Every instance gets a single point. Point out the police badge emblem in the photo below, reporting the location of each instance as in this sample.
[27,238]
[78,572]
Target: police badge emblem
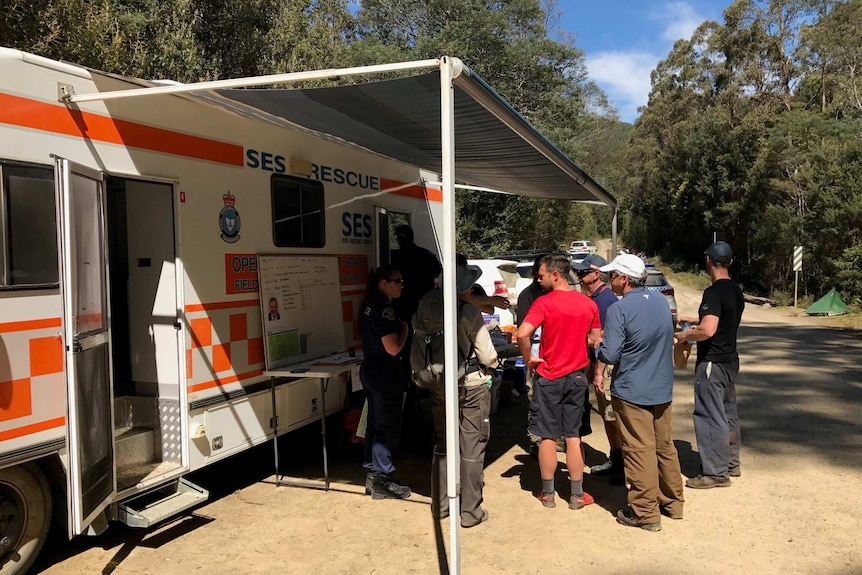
[228,219]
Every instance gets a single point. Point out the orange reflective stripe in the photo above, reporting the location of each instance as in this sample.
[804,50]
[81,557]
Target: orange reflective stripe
[32,428]
[224,381]
[12,326]
[37,115]
[222,305]
[419,192]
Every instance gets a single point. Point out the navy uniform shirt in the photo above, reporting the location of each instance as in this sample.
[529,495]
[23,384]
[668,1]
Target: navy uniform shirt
[380,319]
[419,267]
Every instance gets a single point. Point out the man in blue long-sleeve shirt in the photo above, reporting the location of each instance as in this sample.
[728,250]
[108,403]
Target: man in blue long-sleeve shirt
[638,337]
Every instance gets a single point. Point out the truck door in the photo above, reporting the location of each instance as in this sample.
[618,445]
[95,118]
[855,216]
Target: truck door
[86,336]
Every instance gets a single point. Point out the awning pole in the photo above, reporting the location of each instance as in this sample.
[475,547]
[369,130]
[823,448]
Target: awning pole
[253,81]
[453,455]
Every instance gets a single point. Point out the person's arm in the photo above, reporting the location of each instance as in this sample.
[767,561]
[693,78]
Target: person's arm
[393,343]
[707,328]
[525,332]
[610,348]
[484,348]
[599,376]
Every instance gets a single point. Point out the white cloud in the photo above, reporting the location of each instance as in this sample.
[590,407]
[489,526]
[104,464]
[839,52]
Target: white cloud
[624,75]
[625,78]
[679,20]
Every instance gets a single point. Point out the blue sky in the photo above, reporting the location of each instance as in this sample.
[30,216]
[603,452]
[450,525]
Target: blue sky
[625,39]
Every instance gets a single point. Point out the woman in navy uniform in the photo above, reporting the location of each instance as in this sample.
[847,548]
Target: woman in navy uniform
[383,338]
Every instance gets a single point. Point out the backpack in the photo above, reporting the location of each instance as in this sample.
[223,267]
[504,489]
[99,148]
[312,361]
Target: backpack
[426,352]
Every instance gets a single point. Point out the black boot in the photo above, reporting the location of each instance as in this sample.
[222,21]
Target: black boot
[385,487]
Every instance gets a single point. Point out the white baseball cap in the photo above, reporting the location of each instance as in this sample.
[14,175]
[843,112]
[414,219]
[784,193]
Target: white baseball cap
[628,264]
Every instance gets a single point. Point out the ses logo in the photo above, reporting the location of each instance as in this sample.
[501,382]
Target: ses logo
[355,228]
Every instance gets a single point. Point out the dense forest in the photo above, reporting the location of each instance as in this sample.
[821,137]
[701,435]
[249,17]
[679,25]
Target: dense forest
[752,132]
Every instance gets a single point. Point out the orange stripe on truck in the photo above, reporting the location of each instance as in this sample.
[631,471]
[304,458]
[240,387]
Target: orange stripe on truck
[419,192]
[37,115]
[32,428]
[12,326]
[224,381]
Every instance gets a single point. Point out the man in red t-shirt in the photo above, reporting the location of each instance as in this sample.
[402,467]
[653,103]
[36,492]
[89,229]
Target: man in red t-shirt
[570,322]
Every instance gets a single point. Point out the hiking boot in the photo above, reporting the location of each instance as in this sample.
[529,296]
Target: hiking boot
[384,487]
[734,472]
[629,519]
[668,513]
[707,482]
[581,502]
[473,522]
[547,499]
[606,469]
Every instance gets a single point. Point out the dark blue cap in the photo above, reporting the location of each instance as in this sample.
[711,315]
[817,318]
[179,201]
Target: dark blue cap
[720,252]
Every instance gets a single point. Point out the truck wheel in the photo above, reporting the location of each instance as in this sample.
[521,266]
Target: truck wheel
[25,515]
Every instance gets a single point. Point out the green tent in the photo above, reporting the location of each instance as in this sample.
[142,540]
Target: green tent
[830,304]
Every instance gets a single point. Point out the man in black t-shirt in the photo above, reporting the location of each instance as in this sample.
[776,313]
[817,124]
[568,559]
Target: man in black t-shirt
[716,420]
[419,267]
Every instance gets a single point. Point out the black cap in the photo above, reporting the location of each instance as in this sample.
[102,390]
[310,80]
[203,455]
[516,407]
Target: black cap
[720,253]
[591,262]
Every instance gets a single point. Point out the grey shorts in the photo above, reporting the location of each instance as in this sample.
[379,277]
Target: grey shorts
[557,407]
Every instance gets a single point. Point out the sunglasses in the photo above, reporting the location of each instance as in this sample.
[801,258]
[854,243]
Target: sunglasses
[396,280]
[582,273]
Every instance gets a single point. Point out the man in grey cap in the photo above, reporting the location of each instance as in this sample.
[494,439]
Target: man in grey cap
[716,420]
[592,284]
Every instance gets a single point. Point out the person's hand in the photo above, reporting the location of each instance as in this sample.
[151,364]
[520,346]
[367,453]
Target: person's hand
[534,362]
[598,381]
[499,301]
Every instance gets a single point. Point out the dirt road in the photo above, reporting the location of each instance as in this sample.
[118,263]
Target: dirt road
[794,510]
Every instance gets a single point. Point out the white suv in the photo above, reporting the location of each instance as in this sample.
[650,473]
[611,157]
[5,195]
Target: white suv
[583,246]
[499,277]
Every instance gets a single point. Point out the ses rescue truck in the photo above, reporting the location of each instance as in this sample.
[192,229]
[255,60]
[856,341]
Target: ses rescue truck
[131,348]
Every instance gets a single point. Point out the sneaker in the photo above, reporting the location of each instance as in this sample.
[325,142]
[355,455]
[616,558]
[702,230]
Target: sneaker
[606,469]
[484,518]
[629,519]
[734,472]
[667,513]
[707,482]
[547,499]
[581,502]
[387,488]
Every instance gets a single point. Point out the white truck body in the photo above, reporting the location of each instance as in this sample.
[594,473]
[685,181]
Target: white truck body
[128,293]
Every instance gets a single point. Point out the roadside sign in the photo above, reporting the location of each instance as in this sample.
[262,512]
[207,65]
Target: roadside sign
[797,258]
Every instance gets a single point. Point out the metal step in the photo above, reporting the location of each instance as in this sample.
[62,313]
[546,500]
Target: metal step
[155,506]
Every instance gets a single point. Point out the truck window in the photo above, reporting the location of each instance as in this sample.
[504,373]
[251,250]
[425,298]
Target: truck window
[29,233]
[297,212]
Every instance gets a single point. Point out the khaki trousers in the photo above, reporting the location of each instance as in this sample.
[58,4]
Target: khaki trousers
[650,458]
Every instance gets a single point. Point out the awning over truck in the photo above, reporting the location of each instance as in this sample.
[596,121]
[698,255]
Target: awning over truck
[495,147]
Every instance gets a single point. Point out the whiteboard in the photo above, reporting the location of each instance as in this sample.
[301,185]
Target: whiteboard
[300,304]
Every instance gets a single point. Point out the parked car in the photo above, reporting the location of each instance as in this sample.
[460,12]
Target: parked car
[656,281]
[500,277]
[583,246]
